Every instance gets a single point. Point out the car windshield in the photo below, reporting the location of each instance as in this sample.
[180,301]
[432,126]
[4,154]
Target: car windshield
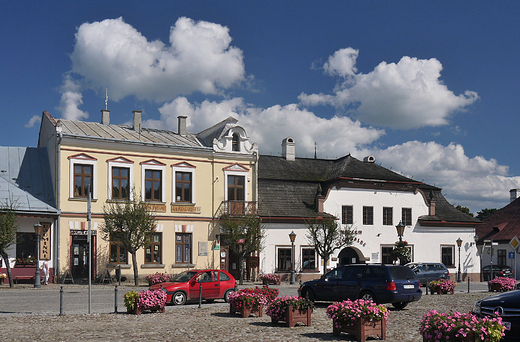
[183,276]
[401,273]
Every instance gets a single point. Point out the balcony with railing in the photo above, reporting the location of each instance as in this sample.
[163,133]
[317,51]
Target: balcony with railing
[237,208]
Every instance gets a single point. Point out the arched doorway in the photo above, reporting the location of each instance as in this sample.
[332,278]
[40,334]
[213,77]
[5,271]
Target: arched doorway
[350,255]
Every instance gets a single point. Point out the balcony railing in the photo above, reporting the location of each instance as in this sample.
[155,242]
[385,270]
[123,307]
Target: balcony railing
[237,208]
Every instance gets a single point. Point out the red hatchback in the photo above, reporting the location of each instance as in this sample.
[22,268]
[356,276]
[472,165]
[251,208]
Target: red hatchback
[215,284]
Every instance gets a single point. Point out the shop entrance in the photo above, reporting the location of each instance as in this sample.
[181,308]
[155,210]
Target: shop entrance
[79,257]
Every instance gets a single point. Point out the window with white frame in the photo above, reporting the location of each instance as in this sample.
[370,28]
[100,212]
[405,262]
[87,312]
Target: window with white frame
[120,176]
[153,252]
[82,175]
[284,259]
[184,183]
[153,181]
[308,259]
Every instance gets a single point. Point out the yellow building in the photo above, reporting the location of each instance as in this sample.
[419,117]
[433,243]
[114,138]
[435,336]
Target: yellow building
[187,179]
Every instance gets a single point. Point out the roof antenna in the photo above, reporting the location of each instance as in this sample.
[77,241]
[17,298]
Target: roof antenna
[106,98]
[315,145]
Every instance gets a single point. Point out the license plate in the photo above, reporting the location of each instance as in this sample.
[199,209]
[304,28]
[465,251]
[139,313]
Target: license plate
[408,286]
[507,325]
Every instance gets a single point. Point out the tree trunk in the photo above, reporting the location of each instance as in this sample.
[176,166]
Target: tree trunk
[8,268]
[325,262]
[136,270]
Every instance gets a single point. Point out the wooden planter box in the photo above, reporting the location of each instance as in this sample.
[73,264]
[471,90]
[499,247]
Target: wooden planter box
[439,291]
[363,328]
[294,316]
[271,282]
[138,311]
[247,311]
[496,288]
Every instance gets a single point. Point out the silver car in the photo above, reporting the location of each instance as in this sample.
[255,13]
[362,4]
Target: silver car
[428,271]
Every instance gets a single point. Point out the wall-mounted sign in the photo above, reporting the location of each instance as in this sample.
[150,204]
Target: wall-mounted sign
[158,208]
[185,209]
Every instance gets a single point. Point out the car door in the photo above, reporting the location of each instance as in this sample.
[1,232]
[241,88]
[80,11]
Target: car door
[352,282]
[204,280]
[328,286]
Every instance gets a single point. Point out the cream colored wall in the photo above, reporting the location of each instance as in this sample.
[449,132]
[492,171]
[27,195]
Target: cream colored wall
[209,192]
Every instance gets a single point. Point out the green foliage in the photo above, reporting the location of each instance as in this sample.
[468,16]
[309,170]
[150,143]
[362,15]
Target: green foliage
[131,300]
[465,210]
[485,213]
[8,229]
[131,223]
[402,252]
[327,235]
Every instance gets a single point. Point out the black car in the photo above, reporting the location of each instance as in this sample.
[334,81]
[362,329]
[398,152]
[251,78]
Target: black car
[428,271]
[381,283]
[507,305]
[498,271]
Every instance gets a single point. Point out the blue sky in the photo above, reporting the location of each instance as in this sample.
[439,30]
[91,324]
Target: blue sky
[430,88]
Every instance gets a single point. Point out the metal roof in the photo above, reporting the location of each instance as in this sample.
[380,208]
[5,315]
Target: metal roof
[25,179]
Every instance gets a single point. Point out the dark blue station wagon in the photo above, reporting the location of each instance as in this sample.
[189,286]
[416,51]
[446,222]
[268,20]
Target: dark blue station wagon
[380,283]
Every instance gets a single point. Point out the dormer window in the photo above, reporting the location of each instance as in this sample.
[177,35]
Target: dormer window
[236,142]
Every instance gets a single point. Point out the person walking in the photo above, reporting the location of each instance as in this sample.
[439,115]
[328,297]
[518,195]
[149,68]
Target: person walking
[45,268]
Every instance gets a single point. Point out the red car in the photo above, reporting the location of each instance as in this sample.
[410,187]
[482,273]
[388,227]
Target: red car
[186,286]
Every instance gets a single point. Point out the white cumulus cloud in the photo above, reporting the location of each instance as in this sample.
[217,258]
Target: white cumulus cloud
[71,99]
[33,121]
[403,95]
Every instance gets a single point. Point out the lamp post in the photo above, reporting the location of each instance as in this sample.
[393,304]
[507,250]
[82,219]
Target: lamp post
[38,231]
[400,230]
[292,236]
[459,276]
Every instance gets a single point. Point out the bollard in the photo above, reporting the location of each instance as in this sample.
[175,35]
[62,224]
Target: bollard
[61,301]
[468,284]
[119,275]
[200,295]
[427,285]
[115,299]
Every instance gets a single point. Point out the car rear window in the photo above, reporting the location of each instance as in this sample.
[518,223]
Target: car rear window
[401,273]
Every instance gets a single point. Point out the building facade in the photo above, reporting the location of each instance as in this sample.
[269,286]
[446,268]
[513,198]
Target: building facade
[185,179]
[368,198]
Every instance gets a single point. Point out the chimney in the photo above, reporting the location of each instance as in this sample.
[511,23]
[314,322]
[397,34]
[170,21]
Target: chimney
[137,120]
[181,125]
[105,117]
[513,194]
[432,208]
[289,149]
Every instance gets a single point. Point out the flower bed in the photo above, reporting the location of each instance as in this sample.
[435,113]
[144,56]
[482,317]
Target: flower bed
[153,300]
[457,326]
[292,310]
[360,317]
[502,284]
[442,286]
[157,278]
[271,279]
[247,301]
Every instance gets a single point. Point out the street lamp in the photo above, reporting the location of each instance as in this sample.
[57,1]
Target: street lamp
[292,236]
[38,231]
[400,230]
[459,276]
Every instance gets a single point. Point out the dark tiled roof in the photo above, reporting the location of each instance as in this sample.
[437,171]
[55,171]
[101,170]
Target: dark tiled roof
[444,211]
[287,198]
[320,170]
[289,188]
[503,224]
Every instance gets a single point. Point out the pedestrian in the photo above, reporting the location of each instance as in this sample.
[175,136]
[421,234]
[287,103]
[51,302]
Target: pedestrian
[45,268]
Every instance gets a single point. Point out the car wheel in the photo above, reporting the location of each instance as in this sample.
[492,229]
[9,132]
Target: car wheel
[179,298]
[368,296]
[400,305]
[309,295]
[226,295]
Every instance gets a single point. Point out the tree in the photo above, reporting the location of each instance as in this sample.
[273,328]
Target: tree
[465,210]
[402,252]
[485,213]
[8,229]
[243,235]
[131,224]
[327,235]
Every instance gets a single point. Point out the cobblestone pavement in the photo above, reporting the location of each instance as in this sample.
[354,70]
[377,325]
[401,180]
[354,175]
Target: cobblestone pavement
[212,322]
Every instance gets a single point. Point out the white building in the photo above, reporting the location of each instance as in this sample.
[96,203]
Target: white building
[367,196]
